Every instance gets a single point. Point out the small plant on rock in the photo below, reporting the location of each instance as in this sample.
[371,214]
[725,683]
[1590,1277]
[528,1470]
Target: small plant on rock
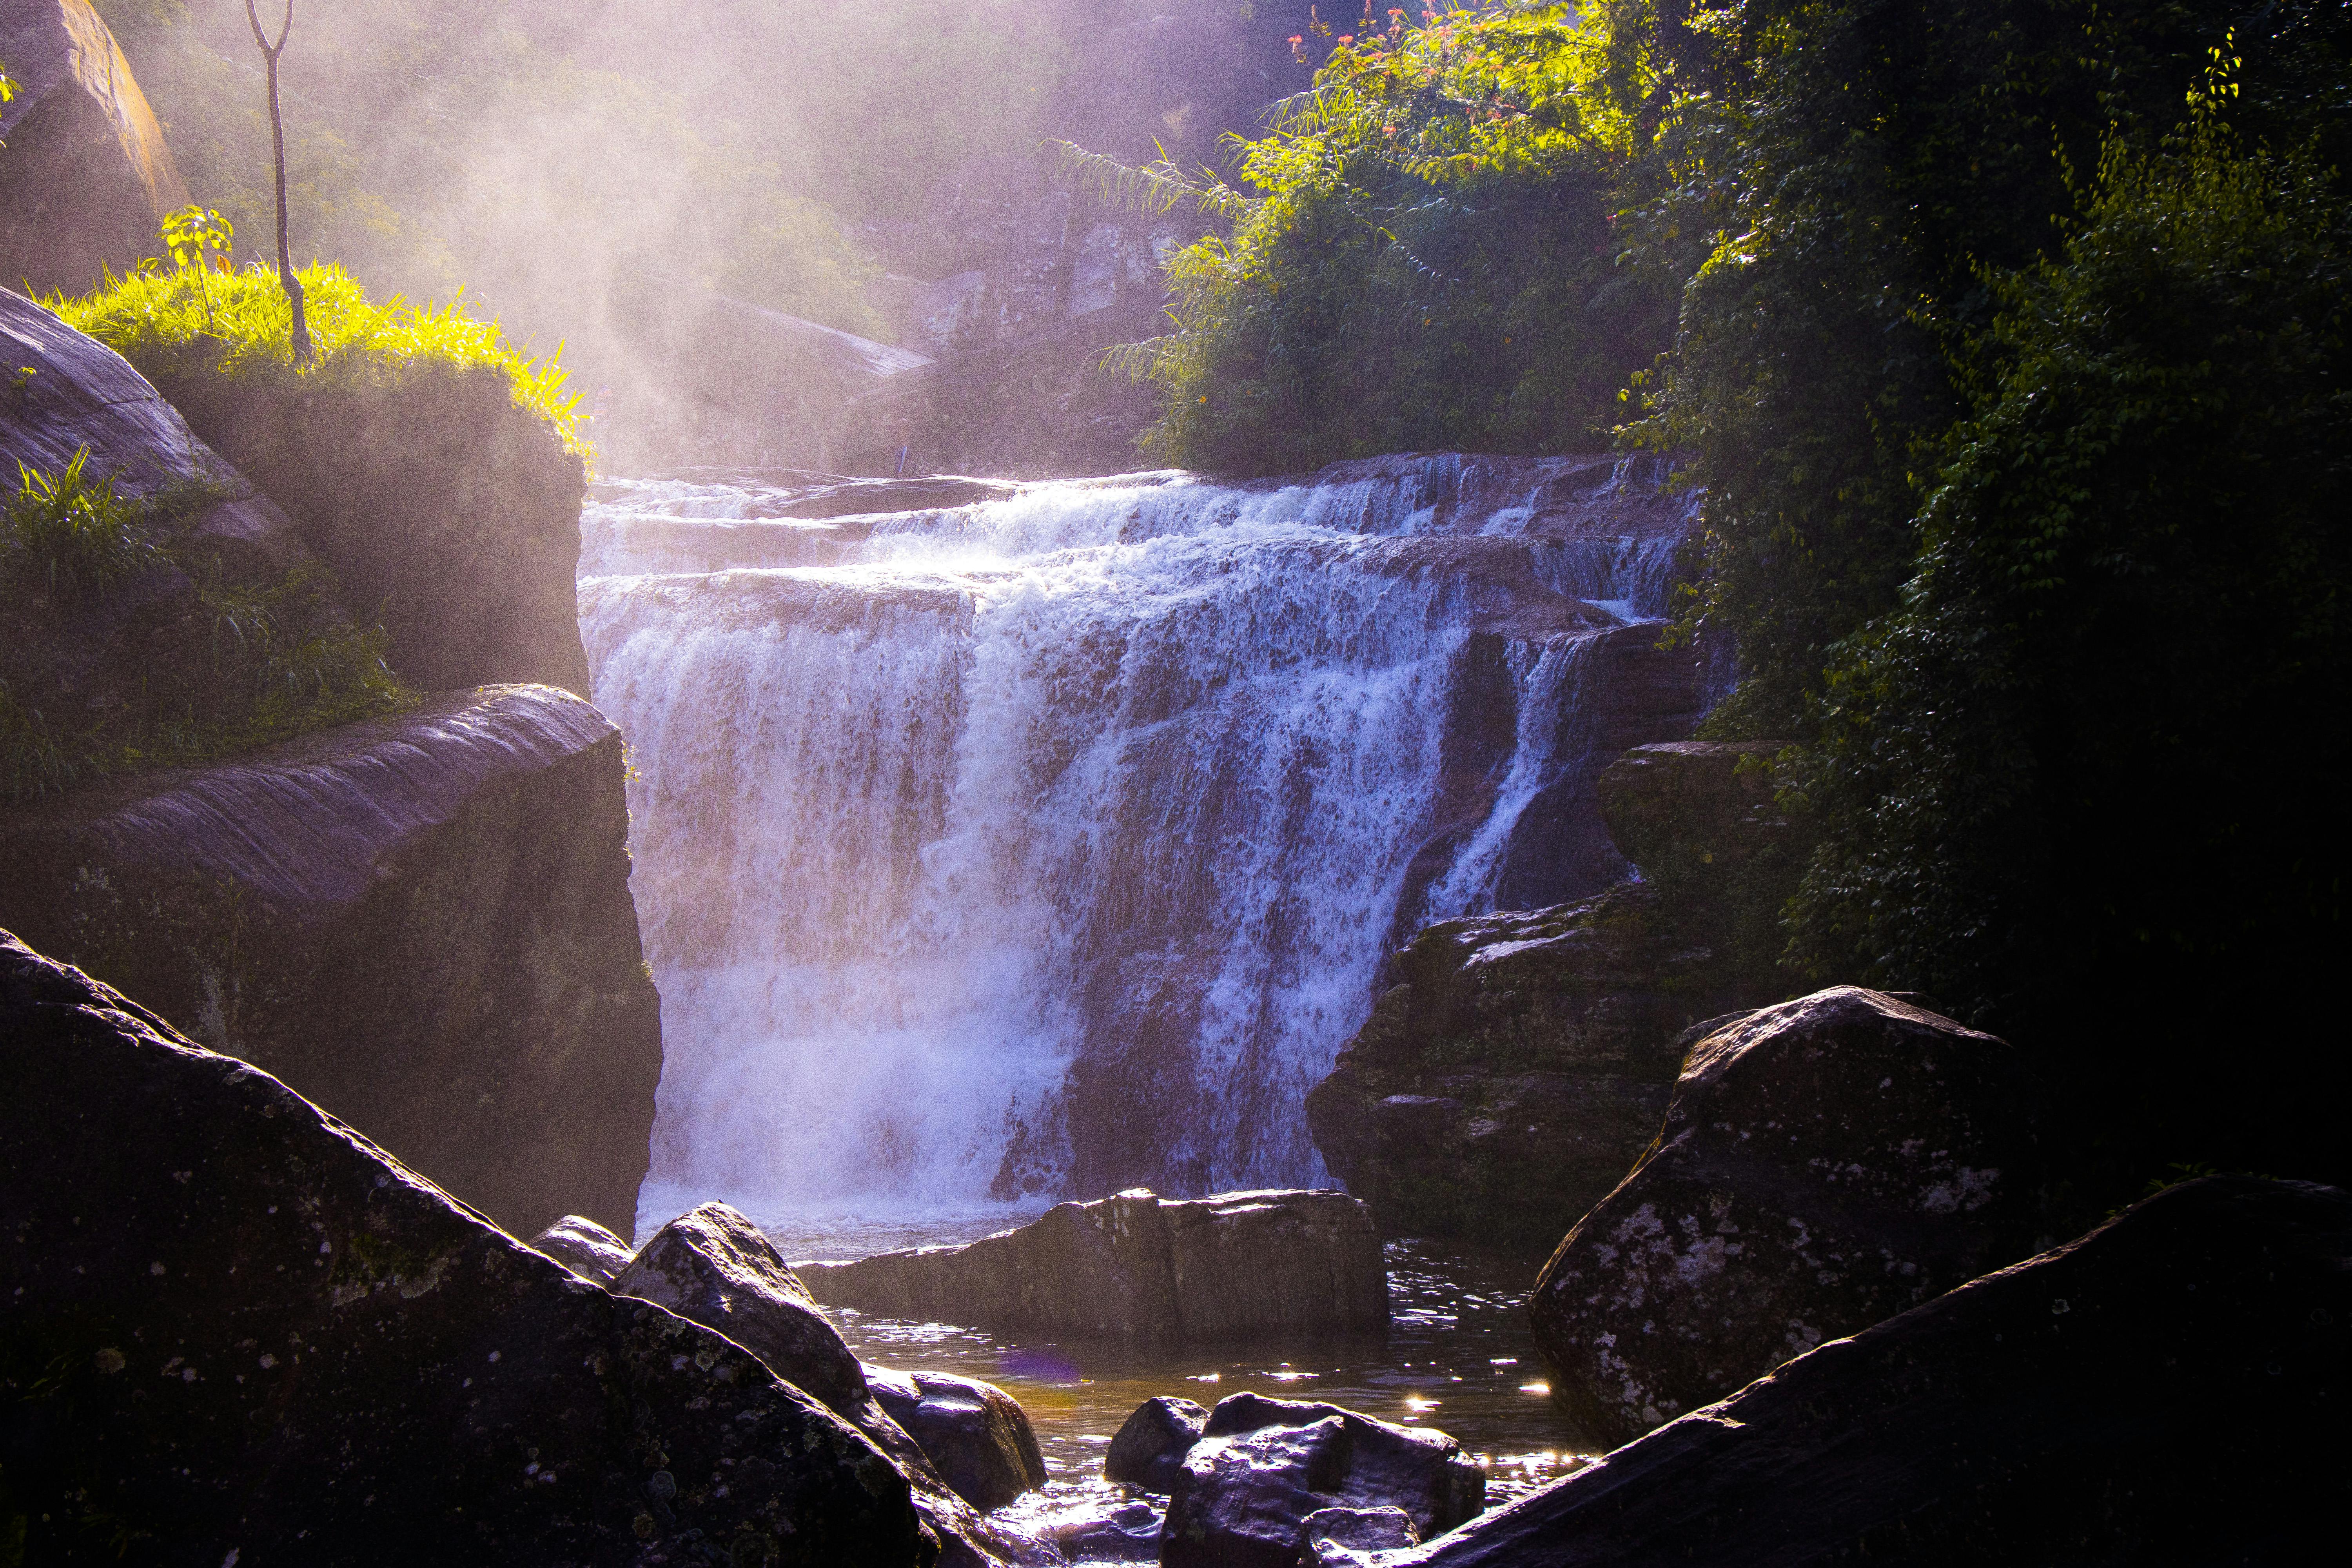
[72,535]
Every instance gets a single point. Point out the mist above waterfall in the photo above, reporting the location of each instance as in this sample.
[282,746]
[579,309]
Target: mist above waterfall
[1054,843]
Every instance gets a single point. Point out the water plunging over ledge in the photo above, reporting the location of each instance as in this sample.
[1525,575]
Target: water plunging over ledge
[1046,839]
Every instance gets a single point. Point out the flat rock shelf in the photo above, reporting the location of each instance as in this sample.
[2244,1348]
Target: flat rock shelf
[1458,1357]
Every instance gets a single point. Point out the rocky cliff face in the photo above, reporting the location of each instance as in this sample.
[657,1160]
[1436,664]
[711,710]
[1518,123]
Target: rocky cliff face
[1519,1067]
[434,496]
[87,177]
[1520,1062]
[422,922]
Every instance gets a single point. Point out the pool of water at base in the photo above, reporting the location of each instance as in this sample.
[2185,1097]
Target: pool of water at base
[1458,1357]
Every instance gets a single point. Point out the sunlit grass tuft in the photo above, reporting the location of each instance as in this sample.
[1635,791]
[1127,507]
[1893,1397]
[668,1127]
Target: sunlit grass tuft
[238,324]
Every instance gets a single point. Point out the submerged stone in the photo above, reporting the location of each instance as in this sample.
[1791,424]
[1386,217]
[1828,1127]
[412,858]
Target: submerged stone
[1264,1468]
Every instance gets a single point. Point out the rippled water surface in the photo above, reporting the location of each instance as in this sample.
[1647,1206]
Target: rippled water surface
[1458,1358]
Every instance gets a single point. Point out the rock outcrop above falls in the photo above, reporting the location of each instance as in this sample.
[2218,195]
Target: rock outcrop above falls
[2169,1388]
[87,178]
[1140,1267]
[1824,1163]
[236,1330]
[445,507]
[424,924]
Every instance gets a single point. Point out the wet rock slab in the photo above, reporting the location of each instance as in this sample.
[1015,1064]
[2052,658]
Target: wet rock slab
[2169,1388]
[1140,1267]
[237,1330]
[1151,1445]
[585,1247]
[1519,1066]
[1824,1163]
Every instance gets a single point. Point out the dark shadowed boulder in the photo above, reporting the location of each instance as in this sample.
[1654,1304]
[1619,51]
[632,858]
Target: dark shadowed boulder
[87,179]
[585,1247]
[1520,1065]
[1264,1467]
[2169,1388]
[713,1267]
[1824,1163]
[422,922]
[1140,1267]
[977,1434]
[238,1331]
[1151,1445]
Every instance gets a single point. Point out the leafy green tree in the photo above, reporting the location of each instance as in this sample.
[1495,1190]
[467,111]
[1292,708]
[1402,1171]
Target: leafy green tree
[2085,782]
[1421,253]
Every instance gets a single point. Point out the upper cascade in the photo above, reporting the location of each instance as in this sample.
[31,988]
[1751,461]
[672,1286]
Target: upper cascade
[1049,839]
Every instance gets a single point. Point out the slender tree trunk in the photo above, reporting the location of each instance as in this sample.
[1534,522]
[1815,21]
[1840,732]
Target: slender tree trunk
[286,278]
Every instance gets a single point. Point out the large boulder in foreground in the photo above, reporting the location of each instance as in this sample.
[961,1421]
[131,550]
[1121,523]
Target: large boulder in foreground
[2169,1388]
[1137,1265]
[1824,1163]
[237,1330]
[87,178]
[1264,1468]
[713,1267]
[1519,1065]
[421,922]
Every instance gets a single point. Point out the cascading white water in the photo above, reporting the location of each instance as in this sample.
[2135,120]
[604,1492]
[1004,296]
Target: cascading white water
[1055,840]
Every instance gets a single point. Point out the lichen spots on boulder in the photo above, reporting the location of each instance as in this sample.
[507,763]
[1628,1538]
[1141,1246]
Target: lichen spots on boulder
[1824,1163]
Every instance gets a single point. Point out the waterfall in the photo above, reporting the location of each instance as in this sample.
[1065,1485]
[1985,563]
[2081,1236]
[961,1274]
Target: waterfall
[1053,841]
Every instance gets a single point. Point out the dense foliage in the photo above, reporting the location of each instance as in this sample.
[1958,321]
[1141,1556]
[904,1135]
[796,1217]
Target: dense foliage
[2008,342]
[1423,256]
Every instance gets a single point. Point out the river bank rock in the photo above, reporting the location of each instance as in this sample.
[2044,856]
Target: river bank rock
[236,1329]
[585,1247]
[1150,1445]
[713,1267]
[87,178]
[1519,1065]
[1264,1468]
[975,1433]
[422,922]
[2064,1407]
[1824,1163]
[1137,1265]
